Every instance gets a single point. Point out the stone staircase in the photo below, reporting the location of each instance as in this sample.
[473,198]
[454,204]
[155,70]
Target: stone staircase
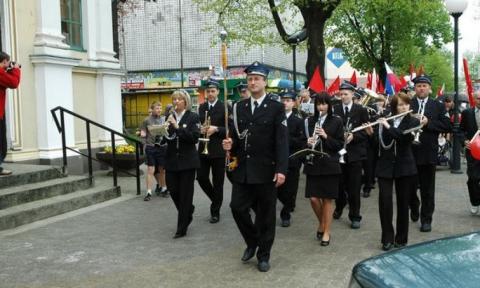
[36,192]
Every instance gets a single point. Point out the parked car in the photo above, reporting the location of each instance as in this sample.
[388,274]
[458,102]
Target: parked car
[447,262]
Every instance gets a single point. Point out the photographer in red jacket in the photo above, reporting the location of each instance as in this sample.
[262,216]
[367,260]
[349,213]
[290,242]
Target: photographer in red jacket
[9,78]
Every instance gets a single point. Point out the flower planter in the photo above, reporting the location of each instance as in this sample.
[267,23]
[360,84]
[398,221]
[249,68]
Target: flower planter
[124,162]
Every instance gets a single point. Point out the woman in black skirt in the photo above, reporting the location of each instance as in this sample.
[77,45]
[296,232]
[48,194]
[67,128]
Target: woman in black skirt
[182,158]
[396,164]
[325,133]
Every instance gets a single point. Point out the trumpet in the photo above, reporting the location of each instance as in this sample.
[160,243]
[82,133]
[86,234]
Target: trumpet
[206,137]
[359,128]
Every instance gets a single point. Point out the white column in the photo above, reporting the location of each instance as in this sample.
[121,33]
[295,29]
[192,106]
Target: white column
[109,101]
[48,37]
[53,87]
[53,64]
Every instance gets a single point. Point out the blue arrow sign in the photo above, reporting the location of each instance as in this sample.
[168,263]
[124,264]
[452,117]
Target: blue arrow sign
[336,57]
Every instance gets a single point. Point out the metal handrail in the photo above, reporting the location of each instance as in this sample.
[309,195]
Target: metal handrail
[61,129]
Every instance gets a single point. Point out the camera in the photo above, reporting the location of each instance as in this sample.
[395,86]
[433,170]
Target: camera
[12,63]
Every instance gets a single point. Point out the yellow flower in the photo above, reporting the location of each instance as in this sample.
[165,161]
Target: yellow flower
[121,149]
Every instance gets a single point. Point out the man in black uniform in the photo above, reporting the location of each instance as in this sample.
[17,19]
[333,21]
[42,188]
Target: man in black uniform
[260,143]
[470,125]
[353,115]
[214,157]
[296,141]
[434,120]
[242,89]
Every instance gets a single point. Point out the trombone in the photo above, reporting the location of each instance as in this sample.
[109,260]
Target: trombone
[206,137]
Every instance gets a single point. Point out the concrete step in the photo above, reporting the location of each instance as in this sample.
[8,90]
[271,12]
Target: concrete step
[21,194]
[30,212]
[25,174]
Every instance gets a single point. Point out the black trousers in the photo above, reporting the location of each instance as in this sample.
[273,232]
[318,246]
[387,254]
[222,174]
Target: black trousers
[262,233]
[426,181]
[349,190]
[180,184]
[288,191]
[3,140]
[213,189]
[403,188]
[369,168]
[473,185]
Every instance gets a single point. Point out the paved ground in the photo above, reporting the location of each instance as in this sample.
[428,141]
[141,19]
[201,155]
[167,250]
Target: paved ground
[128,243]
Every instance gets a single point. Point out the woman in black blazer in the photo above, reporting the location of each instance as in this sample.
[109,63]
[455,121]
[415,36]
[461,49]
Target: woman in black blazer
[325,132]
[395,164]
[182,158]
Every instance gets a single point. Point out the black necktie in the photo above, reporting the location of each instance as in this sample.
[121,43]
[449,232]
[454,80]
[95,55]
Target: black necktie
[210,108]
[422,103]
[346,111]
[255,104]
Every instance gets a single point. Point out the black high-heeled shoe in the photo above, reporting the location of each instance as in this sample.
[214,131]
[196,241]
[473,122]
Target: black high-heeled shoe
[326,242]
[319,235]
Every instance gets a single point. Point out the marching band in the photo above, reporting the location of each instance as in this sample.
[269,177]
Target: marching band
[341,145]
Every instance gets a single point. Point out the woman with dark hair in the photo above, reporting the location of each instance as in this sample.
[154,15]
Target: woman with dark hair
[395,164]
[325,134]
[182,158]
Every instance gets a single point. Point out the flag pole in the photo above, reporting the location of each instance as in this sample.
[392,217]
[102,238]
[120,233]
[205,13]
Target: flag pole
[223,37]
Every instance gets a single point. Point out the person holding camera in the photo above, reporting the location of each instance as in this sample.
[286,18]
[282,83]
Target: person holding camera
[9,78]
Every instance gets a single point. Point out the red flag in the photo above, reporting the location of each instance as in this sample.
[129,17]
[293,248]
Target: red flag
[334,87]
[369,80]
[353,79]
[402,83]
[316,83]
[469,83]
[440,91]
[380,88]
[412,72]
[421,70]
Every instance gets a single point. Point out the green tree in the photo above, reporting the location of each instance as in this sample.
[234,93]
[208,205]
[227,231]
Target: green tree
[261,22]
[372,32]
[473,59]
[438,64]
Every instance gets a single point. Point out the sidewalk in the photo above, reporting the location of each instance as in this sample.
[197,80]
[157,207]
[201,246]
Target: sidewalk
[128,243]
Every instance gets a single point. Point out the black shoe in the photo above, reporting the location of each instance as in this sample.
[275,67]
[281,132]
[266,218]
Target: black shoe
[248,254]
[214,219]
[426,227]
[355,224]
[326,242]
[263,266]
[285,222]
[147,197]
[414,215]
[400,245]
[179,235]
[164,194]
[366,193]
[387,246]
[158,191]
[337,214]
[319,235]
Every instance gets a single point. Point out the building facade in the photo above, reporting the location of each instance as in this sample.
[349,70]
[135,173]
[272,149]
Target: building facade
[66,51]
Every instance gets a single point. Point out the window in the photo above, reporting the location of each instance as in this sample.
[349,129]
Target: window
[71,14]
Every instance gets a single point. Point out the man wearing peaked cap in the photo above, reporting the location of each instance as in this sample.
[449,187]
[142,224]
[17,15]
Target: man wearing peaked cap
[296,140]
[432,116]
[347,85]
[242,89]
[214,111]
[260,143]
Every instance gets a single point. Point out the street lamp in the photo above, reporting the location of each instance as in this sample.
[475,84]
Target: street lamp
[294,40]
[456,8]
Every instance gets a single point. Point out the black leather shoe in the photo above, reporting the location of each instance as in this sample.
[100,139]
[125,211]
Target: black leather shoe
[326,242]
[414,215]
[179,235]
[337,214]
[164,194]
[400,245]
[387,246]
[426,227]
[158,191]
[248,254]
[355,224]
[214,219]
[147,198]
[285,222]
[263,266]
[319,235]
